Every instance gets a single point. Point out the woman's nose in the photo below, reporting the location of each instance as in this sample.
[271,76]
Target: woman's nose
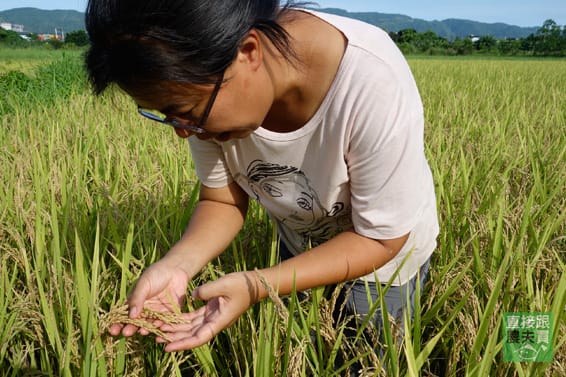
[183,133]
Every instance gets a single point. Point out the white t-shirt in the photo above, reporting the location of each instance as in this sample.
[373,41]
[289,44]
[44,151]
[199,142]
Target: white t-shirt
[357,163]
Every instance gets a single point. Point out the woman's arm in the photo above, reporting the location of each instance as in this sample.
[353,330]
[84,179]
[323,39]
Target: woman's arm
[345,257]
[218,217]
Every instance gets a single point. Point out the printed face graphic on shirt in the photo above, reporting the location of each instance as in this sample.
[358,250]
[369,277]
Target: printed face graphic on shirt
[291,200]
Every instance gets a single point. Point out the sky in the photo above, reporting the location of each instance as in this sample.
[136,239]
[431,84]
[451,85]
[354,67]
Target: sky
[513,12]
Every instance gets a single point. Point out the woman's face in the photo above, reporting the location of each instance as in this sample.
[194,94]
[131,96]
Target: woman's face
[239,107]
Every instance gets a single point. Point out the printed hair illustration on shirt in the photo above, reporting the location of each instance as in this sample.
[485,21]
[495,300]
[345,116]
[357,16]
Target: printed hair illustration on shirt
[282,187]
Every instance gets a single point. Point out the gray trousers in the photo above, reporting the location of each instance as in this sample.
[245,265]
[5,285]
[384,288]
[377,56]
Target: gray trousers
[362,299]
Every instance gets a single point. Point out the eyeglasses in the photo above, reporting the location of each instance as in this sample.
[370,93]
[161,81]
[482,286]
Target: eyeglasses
[196,127]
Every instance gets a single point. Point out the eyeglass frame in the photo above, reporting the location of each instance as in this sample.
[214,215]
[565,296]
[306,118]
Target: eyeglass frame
[197,128]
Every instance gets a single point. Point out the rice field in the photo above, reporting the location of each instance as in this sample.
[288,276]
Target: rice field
[27,60]
[92,194]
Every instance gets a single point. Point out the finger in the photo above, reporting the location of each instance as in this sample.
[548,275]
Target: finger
[160,340]
[202,336]
[179,331]
[190,319]
[129,330]
[158,323]
[115,329]
[179,336]
[180,327]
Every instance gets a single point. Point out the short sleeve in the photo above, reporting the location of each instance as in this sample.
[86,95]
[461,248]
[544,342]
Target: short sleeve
[210,163]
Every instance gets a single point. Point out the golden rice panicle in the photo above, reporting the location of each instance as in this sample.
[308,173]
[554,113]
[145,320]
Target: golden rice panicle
[119,314]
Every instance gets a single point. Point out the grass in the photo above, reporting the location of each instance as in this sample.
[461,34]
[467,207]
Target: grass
[47,83]
[27,60]
[92,194]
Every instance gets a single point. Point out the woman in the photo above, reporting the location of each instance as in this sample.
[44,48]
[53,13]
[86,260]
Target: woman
[315,116]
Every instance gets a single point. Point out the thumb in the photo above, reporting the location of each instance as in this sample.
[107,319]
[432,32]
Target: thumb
[208,291]
[137,297]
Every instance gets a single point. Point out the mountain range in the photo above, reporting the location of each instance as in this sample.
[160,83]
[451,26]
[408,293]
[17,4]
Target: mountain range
[41,21]
[45,21]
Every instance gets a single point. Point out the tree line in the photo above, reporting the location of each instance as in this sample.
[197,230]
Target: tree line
[9,38]
[549,40]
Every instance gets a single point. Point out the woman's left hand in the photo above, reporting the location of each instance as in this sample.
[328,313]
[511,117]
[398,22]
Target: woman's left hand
[227,299]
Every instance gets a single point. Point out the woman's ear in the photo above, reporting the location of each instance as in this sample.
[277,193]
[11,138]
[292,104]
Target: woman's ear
[250,51]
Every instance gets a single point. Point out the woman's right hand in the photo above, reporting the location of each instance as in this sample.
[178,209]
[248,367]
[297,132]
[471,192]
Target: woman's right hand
[162,287]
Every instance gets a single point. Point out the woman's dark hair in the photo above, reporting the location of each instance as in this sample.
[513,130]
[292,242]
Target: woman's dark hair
[136,43]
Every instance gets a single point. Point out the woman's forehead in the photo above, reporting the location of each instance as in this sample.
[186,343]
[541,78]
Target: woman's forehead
[167,97]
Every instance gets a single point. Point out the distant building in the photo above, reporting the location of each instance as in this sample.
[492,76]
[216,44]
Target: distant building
[47,37]
[59,35]
[13,27]
[474,38]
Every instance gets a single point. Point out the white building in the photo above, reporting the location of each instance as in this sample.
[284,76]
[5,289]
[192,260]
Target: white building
[474,38]
[14,27]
